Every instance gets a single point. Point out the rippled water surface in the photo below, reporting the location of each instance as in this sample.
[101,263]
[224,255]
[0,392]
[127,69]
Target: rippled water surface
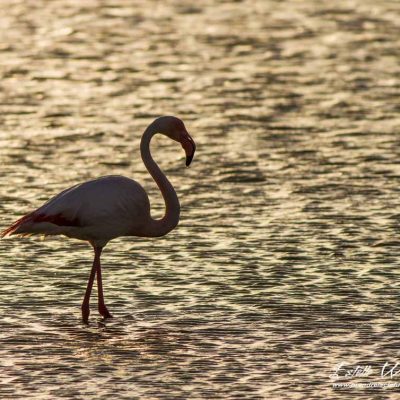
[286,260]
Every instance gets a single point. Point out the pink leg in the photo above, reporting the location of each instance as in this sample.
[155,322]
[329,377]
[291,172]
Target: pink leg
[102,307]
[85,303]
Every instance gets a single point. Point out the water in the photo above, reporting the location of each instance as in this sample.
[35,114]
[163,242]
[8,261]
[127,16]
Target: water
[285,262]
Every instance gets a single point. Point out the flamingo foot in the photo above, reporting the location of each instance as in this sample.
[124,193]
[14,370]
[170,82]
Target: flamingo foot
[104,312]
[85,313]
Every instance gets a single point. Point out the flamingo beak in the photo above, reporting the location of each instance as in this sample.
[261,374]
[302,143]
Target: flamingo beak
[189,146]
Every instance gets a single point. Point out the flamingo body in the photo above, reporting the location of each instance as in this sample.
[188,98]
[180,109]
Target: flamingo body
[96,211]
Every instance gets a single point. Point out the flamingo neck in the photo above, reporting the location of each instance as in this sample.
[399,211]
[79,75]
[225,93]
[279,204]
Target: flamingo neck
[170,219]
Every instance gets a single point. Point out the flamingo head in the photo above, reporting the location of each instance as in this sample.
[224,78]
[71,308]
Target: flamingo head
[175,129]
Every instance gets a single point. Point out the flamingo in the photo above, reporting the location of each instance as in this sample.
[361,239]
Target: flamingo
[108,207]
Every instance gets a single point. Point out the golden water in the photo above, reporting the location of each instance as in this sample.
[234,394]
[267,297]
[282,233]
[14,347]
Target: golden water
[285,262]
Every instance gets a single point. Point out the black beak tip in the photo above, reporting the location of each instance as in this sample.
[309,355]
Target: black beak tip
[189,160]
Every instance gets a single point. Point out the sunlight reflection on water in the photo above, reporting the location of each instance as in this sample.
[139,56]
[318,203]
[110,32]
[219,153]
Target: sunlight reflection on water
[284,263]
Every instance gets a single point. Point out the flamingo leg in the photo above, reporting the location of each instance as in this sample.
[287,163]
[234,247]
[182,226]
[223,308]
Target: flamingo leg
[102,307]
[85,303]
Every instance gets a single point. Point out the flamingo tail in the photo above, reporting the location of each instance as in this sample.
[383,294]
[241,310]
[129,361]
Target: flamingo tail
[13,229]
[38,223]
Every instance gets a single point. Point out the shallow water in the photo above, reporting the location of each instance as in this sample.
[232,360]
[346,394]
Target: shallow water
[285,262]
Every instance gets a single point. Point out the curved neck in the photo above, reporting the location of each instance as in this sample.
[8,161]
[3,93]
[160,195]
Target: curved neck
[170,220]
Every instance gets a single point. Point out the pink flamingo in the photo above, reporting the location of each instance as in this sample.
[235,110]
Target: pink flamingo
[111,206]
